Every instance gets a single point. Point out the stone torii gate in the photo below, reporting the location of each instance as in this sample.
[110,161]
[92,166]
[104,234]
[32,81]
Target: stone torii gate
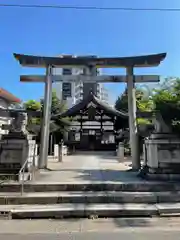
[90,63]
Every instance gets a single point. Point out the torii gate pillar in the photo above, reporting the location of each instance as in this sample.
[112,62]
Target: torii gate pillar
[133,132]
[46,119]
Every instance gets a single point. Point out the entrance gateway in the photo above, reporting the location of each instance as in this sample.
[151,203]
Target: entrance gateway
[91,64]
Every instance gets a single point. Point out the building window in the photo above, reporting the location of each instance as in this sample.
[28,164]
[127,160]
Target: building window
[67,71]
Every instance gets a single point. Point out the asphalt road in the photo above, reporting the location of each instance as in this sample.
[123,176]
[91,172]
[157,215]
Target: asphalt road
[142,235]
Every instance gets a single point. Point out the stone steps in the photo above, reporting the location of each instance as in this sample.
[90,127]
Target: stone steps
[8,177]
[89,210]
[10,198]
[141,186]
[89,199]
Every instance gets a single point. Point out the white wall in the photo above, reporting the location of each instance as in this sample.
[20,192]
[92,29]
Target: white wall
[3,103]
[4,120]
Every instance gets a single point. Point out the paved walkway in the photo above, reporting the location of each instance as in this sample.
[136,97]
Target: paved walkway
[88,167]
[109,225]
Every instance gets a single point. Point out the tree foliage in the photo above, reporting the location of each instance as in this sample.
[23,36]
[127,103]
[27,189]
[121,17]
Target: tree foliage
[167,102]
[58,124]
[165,99]
[32,105]
[142,101]
[121,103]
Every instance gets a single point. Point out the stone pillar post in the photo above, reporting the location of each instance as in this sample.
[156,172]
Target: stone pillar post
[120,151]
[74,149]
[36,156]
[56,150]
[144,155]
[60,152]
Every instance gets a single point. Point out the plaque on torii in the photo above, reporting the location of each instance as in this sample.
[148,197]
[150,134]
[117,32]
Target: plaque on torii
[91,63]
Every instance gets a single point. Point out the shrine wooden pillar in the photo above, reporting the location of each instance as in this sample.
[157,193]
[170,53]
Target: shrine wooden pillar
[81,124]
[101,119]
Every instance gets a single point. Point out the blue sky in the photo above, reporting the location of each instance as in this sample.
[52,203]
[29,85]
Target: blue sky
[103,33]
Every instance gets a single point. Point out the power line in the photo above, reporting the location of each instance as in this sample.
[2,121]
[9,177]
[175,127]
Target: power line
[90,8]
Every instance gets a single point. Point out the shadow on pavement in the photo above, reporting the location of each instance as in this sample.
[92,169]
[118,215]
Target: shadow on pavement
[95,175]
[108,175]
[132,222]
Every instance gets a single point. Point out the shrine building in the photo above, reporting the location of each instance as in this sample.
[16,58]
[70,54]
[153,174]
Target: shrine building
[93,125]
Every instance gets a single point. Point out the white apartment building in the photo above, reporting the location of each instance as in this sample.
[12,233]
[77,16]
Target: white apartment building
[6,99]
[74,92]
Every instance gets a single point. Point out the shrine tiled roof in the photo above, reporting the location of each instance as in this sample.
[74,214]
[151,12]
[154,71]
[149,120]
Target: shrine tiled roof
[8,96]
[73,111]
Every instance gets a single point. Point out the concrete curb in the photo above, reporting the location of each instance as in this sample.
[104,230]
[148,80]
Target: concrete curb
[91,186]
[93,210]
[88,197]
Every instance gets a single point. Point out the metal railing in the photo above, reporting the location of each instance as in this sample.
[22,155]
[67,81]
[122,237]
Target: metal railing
[21,174]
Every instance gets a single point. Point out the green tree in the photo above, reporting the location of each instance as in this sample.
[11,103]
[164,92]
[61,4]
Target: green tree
[121,103]
[167,101]
[143,102]
[33,122]
[57,125]
[33,105]
[165,98]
